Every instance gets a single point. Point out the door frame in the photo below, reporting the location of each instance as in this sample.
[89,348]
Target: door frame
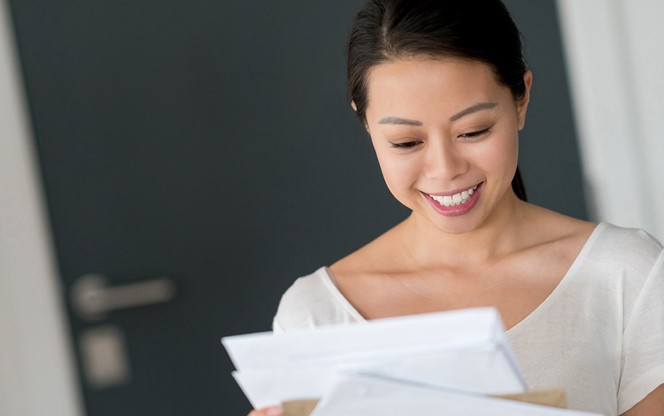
[616,92]
[37,370]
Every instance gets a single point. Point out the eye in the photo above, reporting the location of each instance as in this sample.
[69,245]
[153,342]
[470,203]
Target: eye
[475,134]
[404,145]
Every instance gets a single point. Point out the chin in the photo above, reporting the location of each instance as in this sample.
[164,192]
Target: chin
[451,225]
[458,227]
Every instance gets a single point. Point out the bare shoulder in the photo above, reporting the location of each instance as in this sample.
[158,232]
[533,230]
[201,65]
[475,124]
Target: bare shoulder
[555,237]
[546,226]
[367,259]
[373,258]
[366,276]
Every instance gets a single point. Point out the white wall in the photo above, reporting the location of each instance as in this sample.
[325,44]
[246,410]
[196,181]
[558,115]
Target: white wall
[616,71]
[36,367]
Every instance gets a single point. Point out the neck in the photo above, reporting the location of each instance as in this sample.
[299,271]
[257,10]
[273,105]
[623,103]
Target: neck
[496,236]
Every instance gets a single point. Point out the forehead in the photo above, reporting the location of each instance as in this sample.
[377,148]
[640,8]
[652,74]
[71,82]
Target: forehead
[414,85]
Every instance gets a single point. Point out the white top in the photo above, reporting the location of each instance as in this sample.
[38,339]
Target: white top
[599,334]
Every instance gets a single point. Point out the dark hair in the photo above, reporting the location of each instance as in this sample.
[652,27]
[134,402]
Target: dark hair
[481,30]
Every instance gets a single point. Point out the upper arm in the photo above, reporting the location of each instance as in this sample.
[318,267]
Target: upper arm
[642,365]
[651,405]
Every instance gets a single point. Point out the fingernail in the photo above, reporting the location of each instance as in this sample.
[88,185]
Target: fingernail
[273,411]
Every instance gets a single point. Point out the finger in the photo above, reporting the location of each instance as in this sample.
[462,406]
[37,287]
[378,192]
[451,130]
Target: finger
[267,411]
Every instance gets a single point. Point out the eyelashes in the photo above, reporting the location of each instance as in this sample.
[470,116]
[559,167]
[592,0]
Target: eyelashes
[475,134]
[404,145]
[465,136]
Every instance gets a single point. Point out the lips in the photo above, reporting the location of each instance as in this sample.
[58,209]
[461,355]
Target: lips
[459,203]
[458,198]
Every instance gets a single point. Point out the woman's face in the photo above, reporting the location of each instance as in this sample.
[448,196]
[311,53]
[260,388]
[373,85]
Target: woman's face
[446,136]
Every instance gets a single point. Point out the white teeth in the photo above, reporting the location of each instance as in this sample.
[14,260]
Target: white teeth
[456,199]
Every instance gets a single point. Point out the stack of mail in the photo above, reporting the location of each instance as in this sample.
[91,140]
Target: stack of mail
[463,350]
[448,363]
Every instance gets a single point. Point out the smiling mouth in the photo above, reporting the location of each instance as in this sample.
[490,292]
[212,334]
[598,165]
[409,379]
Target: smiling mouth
[459,198]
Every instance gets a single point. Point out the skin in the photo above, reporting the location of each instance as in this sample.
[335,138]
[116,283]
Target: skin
[492,255]
[455,127]
[652,405]
[268,411]
[444,155]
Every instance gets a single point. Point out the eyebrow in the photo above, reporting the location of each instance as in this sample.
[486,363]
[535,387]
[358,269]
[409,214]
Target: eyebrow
[408,122]
[399,120]
[473,109]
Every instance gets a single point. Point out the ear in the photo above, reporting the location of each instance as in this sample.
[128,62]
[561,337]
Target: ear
[352,104]
[522,105]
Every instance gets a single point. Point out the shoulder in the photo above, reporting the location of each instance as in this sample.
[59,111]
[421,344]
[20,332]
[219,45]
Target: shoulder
[638,262]
[541,227]
[627,249]
[311,301]
[378,255]
[625,264]
[603,245]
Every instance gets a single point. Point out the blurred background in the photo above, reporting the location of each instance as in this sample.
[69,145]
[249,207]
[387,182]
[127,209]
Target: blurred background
[167,169]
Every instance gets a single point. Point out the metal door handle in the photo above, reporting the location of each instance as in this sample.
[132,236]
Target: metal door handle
[92,298]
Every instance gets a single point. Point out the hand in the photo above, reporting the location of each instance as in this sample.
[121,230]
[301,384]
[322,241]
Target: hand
[267,411]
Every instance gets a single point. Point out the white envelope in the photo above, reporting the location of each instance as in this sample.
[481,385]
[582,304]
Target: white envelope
[463,349]
[272,387]
[480,371]
[371,396]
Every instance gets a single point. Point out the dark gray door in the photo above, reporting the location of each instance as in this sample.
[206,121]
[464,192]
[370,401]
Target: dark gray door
[200,155]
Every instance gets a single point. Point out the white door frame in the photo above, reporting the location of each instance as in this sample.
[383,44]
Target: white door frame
[37,373]
[615,67]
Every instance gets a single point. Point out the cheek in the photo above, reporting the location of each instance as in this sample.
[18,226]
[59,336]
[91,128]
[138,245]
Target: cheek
[501,157]
[399,173]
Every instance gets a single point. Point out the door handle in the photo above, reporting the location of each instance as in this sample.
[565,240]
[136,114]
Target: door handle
[93,298]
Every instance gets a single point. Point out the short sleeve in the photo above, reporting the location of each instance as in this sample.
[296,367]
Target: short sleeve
[643,341]
[312,301]
[276,328]
[293,308]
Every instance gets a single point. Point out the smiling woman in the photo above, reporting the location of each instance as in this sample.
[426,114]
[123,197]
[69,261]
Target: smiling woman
[459,145]
[442,90]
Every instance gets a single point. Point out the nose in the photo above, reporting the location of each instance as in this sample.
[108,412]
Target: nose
[443,160]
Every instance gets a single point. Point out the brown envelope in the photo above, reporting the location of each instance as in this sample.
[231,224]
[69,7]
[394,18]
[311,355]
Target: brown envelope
[553,397]
[299,407]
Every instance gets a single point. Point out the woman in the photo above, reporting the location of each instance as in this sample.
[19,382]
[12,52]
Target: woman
[442,89]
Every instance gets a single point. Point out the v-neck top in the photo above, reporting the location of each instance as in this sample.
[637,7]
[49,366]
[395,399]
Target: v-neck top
[599,334]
